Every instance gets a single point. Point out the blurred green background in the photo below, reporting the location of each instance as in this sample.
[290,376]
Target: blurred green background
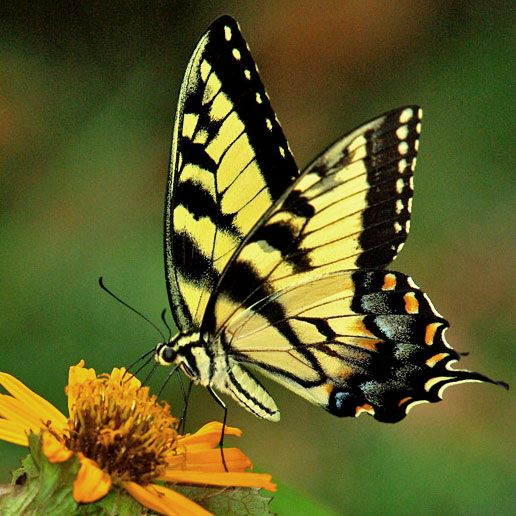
[87,98]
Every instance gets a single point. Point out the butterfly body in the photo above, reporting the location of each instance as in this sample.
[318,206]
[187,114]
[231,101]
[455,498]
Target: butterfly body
[282,270]
[207,364]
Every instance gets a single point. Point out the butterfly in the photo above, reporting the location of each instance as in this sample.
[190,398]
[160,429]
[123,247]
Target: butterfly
[284,271]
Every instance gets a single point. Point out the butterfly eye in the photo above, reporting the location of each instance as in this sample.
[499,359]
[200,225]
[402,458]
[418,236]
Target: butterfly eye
[165,354]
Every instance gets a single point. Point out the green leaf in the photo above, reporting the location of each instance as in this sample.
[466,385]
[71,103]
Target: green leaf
[289,502]
[116,502]
[230,501]
[40,487]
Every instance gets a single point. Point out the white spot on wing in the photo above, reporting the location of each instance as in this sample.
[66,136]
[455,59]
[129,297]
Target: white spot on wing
[268,123]
[399,185]
[432,307]
[403,148]
[402,132]
[410,406]
[412,283]
[406,115]
[258,98]
[227,32]
[236,54]
[402,165]
[247,74]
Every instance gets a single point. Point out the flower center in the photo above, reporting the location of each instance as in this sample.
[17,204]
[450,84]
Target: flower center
[123,429]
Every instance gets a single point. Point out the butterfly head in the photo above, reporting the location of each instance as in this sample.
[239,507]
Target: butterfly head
[186,350]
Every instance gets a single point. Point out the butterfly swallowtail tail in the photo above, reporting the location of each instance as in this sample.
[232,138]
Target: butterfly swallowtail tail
[283,270]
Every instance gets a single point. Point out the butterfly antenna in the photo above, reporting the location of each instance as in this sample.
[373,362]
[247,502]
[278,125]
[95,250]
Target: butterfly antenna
[151,372]
[143,366]
[165,323]
[114,296]
[141,357]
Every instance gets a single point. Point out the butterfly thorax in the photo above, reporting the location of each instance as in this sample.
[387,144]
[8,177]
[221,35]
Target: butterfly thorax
[191,353]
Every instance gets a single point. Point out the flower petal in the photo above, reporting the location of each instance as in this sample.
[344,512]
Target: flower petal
[14,410]
[78,374]
[260,480]
[91,483]
[122,375]
[209,435]
[164,500]
[13,432]
[54,450]
[34,403]
[211,460]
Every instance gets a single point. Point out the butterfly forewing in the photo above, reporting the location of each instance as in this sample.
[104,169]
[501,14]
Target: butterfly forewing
[350,208]
[230,161]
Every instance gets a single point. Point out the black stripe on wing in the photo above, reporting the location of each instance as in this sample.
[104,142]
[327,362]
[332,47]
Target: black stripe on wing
[230,162]
[414,356]
[350,208]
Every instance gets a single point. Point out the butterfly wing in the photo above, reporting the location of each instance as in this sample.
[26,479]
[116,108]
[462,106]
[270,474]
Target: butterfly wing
[229,163]
[350,208]
[350,341]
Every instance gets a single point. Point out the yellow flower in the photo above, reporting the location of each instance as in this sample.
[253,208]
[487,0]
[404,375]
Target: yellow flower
[123,436]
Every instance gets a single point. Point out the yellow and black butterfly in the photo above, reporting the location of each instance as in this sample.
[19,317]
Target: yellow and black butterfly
[283,270]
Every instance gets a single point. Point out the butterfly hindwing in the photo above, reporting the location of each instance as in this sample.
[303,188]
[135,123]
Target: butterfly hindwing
[350,208]
[230,161]
[351,341]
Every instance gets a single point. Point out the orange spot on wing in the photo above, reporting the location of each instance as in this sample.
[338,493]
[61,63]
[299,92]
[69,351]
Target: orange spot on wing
[404,400]
[361,329]
[370,344]
[389,282]
[430,332]
[328,388]
[364,408]
[345,373]
[436,358]
[411,303]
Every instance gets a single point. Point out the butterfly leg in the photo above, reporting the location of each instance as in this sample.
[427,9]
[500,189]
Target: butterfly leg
[186,398]
[217,398]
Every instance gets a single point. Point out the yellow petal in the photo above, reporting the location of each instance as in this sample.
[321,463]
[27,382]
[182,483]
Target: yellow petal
[91,483]
[211,460]
[14,410]
[209,435]
[78,374]
[163,500]
[122,375]
[34,403]
[260,480]
[13,432]
[54,450]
